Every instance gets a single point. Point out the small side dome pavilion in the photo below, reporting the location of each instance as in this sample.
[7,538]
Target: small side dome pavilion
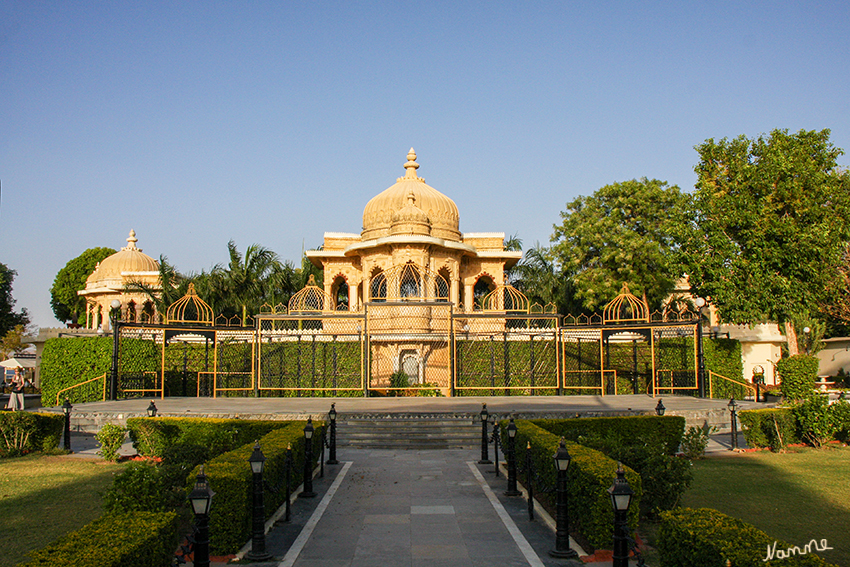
[110,281]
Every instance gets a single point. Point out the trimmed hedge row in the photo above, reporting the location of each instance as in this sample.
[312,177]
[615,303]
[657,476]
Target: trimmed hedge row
[706,537]
[23,432]
[133,539]
[230,478]
[152,436]
[771,428]
[797,375]
[622,431]
[591,474]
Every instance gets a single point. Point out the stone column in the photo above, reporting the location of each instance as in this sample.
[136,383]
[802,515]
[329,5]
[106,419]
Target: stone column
[468,298]
[352,296]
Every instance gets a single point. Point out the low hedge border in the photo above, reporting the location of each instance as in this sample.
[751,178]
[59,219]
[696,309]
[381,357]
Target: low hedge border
[152,436]
[23,432]
[590,476]
[230,478]
[140,539]
[760,428]
[706,537]
[627,431]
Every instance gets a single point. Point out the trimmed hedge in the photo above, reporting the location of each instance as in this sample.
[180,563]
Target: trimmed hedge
[623,431]
[133,539]
[760,428]
[723,356]
[230,478]
[69,361]
[153,436]
[591,475]
[706,537]
[797,376]
[23,432]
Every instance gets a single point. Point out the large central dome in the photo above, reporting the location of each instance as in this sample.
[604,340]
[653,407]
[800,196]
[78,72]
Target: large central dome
[381,218]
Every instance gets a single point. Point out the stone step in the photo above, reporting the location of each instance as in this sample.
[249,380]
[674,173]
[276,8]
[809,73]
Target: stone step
[412,432]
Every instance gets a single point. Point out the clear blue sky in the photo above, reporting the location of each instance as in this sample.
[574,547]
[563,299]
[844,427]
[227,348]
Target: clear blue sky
[272,122]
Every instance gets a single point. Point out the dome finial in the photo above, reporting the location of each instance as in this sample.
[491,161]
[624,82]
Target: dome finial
[131,241]
[411,166]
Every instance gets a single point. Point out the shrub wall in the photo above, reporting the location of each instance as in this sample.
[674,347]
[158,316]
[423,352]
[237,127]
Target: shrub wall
[70,361]
[23,432]
[590,476]
[230,478]
[769,428]
[797,376]
[723,356]
[152,436]
[622,431]
[706,537]
[137,539]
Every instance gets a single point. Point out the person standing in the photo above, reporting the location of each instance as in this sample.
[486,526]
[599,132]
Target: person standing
[16,398]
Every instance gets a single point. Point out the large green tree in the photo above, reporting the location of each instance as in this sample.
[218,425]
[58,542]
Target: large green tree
[771,217]
[623,233]
[9,319]
[66,304]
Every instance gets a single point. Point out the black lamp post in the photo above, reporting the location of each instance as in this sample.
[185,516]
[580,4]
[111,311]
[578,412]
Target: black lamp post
[621,498]
[115,315]
[151,409]
[733,407]
[308,460]
[562,510]
[201,499]
[485,437]
[511,455]
[660,409]
[700,302]
[66,409]
[258,537]
[332,454]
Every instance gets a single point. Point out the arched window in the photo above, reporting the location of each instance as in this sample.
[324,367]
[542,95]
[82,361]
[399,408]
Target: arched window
[483,286]
[410,282]
[339,292]
[130,317]
[378,287]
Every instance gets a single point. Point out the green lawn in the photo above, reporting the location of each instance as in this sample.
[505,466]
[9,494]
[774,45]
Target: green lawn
[44,497]
[795,496]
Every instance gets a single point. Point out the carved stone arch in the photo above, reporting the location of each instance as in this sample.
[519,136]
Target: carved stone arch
[484,284]
[340,291]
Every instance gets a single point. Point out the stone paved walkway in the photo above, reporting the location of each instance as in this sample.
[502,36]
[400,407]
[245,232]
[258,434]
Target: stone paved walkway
[411,508]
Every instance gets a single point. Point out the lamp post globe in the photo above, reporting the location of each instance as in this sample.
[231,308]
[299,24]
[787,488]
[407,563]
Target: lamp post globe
[621,498]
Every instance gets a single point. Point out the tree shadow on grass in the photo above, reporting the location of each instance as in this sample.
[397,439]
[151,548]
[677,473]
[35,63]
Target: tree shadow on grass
[45,497]
[795,497]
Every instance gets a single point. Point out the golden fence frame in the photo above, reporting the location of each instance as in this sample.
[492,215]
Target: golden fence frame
[69,388]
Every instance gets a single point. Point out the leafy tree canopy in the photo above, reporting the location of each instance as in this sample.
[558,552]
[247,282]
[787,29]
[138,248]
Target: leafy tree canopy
[623,233]
[8,318]
[66,304]
[771,217]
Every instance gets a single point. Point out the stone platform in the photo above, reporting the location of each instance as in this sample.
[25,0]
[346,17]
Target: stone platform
[91,416]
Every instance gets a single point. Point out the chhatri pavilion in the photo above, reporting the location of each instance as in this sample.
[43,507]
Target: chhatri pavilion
[411,247]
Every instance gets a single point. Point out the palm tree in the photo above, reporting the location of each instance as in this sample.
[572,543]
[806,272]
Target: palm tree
[542,281]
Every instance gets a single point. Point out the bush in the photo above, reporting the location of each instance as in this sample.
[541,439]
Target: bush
[138,539]
[110,437]
[152,436]
[769,428]
[664,478]
[610,433]
[816,419]
[797,375]
[138,488]
[230,478]
[841,411]
[23,432]
[591,474]
[708,538]
[695,440]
